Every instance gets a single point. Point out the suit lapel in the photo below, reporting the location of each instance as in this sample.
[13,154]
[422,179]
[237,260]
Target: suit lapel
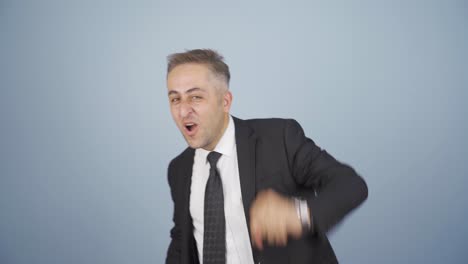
[245,142]
[186,172]
[187,247]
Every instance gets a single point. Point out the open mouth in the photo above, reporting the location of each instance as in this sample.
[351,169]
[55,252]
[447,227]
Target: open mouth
[190,128]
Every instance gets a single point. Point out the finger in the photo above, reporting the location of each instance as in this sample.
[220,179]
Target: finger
[256,233]
[270,237]
[279,240]
[279,234]
[284,239]
[253,231]
[259,240]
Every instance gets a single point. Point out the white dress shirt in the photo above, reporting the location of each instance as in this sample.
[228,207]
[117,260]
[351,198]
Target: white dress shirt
[238,248]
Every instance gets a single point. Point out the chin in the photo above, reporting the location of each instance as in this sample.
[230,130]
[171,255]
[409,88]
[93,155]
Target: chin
[193,144]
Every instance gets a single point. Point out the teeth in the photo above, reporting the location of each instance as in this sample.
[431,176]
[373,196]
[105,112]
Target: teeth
[189,126]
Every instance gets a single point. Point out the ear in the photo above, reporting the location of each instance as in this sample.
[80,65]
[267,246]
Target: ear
[227,101]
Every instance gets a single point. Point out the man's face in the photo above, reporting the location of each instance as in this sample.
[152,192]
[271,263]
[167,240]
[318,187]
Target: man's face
[199,103]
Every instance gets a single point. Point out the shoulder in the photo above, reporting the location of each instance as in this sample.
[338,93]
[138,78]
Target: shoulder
[269,125]
[184,156]
[180,161]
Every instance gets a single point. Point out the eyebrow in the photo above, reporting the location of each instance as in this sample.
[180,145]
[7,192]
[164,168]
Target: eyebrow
[191,90]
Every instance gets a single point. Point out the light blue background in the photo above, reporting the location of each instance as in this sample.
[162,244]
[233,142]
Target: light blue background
[86,133]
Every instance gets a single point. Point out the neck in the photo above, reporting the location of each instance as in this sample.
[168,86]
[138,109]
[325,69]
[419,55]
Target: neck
[220,135]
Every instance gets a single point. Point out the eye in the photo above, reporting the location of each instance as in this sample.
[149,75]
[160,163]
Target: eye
[175,100]
[196,97]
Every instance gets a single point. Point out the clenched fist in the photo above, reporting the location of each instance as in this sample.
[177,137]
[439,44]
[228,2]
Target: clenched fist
[273,218]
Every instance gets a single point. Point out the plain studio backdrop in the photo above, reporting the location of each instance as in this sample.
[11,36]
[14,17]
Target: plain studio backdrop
[86,132]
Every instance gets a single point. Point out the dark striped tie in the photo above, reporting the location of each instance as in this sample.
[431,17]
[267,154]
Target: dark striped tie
[214,236]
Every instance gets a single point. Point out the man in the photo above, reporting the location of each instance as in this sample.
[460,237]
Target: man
[247,191]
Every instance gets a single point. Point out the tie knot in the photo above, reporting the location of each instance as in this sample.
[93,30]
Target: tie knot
[213,158]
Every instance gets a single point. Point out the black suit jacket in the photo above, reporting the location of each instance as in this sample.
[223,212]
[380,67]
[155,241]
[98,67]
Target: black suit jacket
[274,153]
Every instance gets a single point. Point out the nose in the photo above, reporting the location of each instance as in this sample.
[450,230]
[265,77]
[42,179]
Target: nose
[185,109]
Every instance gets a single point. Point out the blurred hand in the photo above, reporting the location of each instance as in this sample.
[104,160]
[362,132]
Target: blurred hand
[273,218]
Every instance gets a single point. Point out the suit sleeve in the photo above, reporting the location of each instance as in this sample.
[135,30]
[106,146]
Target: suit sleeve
[338,188]
[173,252]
